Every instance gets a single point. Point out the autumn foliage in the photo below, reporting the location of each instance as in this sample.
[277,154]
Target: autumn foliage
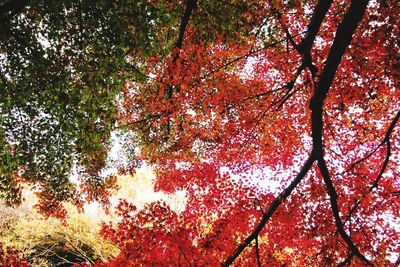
[279,119]
[10,257]
[307,101]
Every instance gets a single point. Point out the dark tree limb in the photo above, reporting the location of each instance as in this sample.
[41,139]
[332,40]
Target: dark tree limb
[352,166]
[190,5]
[304,48]
[341,41]
[397,261]
[391,127]
[335,210]
[184,255]
[258,253]
[270,211]
[387,137]
[313,27]
[375,184]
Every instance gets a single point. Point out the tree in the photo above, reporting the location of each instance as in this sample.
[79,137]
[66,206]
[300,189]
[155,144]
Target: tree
[307,99]
[235,97]
[62,64]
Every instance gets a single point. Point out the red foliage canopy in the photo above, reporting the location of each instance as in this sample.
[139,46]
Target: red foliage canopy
[284,135]
[10,257]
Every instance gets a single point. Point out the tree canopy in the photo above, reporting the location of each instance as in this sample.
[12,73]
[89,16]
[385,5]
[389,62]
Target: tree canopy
[279,119]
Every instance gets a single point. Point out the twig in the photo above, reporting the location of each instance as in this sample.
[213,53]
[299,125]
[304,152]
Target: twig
[258,253]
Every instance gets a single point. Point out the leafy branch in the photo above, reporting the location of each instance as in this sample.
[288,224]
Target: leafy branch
[341,41]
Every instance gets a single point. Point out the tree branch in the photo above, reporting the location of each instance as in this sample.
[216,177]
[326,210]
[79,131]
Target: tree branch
[386,141]
[249,53]
[343,37]
[271,209]
[314,25]
[391,127]
[258,253]
[397,261]
[341,41]
[304,48]
[335,210]
[190,5]
[149,118]
[184,255]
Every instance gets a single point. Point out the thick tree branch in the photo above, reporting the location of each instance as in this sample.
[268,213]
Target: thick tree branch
[318,16]
[271,209]
[190,5]
[341,41]
[304,48]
